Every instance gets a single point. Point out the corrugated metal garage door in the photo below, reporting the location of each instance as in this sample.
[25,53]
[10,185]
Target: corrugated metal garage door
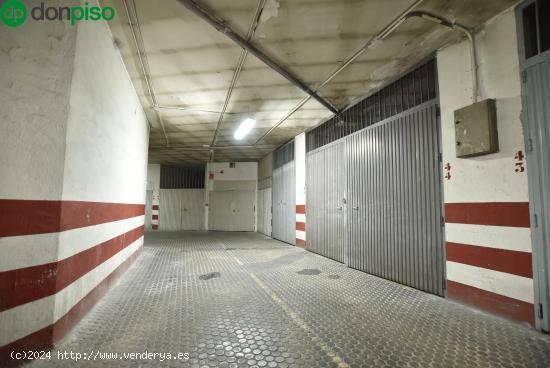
[394,208]
[379,161]
[264,211]
[181,209]
[284,194]
[232,210]
[390,178]
[326,197]
[536,88]
[284,203]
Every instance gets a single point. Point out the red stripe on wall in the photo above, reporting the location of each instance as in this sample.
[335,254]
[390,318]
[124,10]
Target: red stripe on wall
[503,260]
[81,214]
[28,217]
[300,243]
[301,226]
[25,285]
[493,303]
[301,208]
[46,337]
[513,214]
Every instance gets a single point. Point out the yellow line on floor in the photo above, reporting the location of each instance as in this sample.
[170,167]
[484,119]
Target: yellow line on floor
[230,252]
[293,315]
[302,324]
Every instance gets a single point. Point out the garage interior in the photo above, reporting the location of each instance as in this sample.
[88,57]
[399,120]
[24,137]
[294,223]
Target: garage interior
[275,183]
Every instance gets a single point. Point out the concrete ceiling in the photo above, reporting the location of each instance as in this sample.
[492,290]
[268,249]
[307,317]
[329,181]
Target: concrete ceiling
[191,65]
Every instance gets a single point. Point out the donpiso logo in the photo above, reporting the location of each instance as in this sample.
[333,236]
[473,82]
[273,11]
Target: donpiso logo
[14,13]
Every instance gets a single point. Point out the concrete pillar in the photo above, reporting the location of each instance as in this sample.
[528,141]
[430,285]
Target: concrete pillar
[300,161]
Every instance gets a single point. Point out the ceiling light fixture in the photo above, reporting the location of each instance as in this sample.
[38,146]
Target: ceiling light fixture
[244,128]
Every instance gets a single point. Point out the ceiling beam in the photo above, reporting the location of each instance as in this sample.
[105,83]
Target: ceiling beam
[227,31]
[240,64]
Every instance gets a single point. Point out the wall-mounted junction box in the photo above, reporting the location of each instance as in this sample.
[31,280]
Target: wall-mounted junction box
[476,131]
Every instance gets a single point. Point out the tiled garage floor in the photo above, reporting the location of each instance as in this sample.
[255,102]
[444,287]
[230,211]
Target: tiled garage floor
[243,300]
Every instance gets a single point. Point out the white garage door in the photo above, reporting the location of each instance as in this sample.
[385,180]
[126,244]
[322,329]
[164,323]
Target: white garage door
[232,210]
[181,209]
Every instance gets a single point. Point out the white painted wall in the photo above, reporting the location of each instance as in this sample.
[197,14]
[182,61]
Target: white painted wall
[37,64]
[492,176]
[106,140]
[107,132]
[36,71]
[241,171]
[153,177]
[72,128]
[489,178]
[35,79]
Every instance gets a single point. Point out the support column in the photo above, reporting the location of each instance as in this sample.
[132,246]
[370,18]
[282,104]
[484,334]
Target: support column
[300,164]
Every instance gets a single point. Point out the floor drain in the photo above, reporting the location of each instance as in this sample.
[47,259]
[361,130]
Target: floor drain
[208,276]
[309,271]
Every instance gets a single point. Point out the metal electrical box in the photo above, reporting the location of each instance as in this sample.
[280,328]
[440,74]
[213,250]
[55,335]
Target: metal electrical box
[476,131]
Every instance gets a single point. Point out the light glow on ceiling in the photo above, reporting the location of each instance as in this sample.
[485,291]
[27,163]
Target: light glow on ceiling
[244,128]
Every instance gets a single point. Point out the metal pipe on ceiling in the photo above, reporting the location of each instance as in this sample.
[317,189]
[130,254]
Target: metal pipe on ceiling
[140,48]
[190,109]
[226,30]
[469,34]
[240,64]
[288,114]
[374,41]
[208,148]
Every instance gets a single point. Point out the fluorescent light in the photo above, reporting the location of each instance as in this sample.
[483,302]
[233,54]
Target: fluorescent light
[244,128]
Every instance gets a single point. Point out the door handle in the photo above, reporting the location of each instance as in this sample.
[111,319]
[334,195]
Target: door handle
[356,208]
[339,208]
